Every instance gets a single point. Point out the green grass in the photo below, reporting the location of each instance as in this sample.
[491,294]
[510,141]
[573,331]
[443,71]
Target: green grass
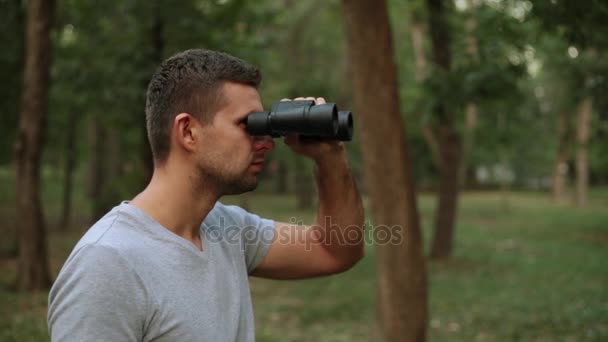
[523,269]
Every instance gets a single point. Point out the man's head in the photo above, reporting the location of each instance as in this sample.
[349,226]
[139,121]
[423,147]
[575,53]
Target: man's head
[196,103]
[190,82]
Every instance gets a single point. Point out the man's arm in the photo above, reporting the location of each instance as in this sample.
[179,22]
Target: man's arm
[334,243]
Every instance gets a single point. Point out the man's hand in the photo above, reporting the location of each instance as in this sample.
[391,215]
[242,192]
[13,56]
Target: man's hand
[315,149]
[334,243]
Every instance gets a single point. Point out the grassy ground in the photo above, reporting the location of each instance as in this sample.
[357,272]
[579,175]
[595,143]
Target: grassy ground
[524,269]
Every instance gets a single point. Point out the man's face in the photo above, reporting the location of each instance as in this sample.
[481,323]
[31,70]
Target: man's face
[230,157]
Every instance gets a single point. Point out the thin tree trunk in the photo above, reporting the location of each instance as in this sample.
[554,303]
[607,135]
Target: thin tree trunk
[445,215]
[417,35]
[471,112]
[282,175]
[470,125]
[33,270]
[97,176]
[14,90]
[68,175]
[112,170]
[560,168]
[158,46]
[304,184]
[503,151]
[582,138]
[417,32]
[303,180]
[449,141]
[402,290]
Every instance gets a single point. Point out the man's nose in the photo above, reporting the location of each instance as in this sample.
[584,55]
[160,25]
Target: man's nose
[263,143]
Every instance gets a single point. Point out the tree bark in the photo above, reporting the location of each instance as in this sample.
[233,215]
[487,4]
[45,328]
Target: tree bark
[33,270]
[402,290]
[560,168]
[282,175]
[417,33]
[470,125]
[582,138]
[304,184]
[449,142]
[158,50]
[445,215]
[97,176]
[471,112]
[68,175]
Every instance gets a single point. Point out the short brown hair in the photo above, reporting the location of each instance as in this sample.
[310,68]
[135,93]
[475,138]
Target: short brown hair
[190,82]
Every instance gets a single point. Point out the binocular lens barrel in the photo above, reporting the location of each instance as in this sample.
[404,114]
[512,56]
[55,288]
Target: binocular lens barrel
[304,118]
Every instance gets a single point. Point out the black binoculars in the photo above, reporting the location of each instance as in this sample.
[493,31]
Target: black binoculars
[323,122]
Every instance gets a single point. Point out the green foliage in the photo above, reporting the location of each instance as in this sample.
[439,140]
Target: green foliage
[580,23]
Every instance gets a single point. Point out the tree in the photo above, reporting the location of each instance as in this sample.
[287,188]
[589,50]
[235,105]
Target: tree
[418,31]
[583,30]
[12,27]
[583,127]
[402,290]
[449,139]
[560,167]
[471,113]
[69,166]
[33,263]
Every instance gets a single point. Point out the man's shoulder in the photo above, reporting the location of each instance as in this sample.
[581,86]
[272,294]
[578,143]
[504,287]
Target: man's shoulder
[117,233]
[232,214]
[113,230]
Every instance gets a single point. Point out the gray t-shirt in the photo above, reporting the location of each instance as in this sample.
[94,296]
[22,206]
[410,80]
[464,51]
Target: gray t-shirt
[130,279]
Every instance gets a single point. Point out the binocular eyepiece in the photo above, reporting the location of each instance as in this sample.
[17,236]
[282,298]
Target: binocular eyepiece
[323,122]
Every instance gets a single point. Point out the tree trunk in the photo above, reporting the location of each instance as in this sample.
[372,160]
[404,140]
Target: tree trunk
[158,46]
[13,89]
[449,141]
[582,138]
[417,31]
[304,184]
[471,112]
[470,125]
[68,175]
[33,269]
[282,175]
[445,214]
[402,290]
[560,168]
[97,177]
[112,169]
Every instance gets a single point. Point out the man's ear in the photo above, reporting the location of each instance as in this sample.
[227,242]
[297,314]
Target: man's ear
[184,131]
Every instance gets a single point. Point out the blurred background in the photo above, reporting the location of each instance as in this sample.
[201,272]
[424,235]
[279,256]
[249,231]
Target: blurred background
[501,105]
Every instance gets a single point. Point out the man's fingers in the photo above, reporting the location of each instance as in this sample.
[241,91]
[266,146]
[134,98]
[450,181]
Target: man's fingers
[285,99]
[317,100]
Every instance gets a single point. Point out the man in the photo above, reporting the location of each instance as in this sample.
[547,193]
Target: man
[173,263]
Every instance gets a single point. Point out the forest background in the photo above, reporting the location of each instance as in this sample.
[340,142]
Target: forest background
[481,126]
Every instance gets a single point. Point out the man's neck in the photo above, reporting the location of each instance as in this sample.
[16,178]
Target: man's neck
[173,203]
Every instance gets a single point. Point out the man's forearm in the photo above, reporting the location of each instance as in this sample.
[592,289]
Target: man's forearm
[340,211]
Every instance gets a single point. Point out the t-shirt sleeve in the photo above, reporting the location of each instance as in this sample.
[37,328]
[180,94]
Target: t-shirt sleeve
[256,235]
[97,297]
